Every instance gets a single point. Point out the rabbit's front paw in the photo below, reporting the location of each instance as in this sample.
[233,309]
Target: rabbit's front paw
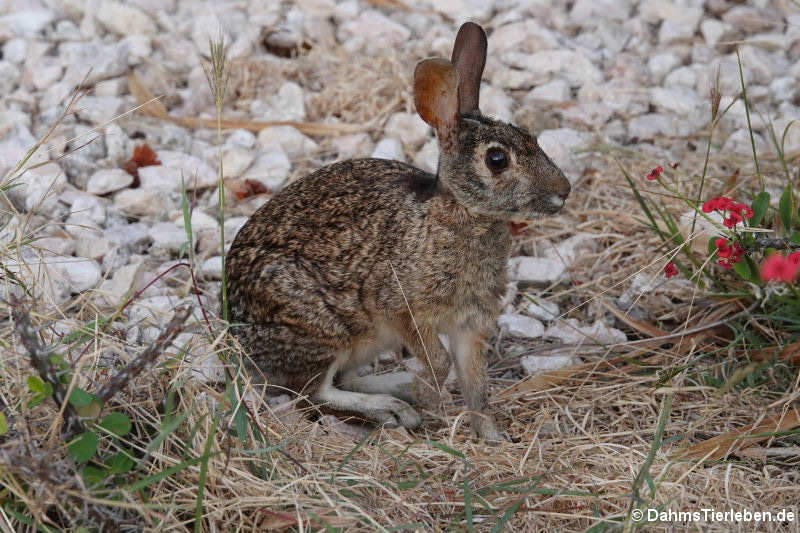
[485,428]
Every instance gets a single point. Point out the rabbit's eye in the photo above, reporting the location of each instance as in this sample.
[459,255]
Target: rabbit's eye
[496,159]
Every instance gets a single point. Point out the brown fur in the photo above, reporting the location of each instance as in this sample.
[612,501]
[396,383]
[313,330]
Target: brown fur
[370,254]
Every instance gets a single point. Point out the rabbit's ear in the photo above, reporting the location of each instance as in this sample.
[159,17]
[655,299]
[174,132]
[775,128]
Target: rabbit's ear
[436,97]
[469,58]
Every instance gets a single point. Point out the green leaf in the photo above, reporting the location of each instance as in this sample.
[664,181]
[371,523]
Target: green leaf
[41,390]
[117,423]
[93,476]
[83,447]
[743,269]
[79,397]
[36,385]
[120,463]
[760,205]
[785,208]
[3,424]
[712,247]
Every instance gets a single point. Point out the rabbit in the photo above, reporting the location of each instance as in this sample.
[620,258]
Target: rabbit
[368,255]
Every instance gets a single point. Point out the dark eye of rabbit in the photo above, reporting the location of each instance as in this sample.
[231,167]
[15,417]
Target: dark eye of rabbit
[496,159]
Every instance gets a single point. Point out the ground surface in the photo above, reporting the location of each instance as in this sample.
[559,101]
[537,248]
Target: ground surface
[607,86]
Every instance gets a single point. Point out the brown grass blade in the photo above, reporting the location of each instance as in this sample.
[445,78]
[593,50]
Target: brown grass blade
[152,107]
[732,442]
[392,4]
[638,325]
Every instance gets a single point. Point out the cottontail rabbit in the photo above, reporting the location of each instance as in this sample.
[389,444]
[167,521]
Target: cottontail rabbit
[369,255]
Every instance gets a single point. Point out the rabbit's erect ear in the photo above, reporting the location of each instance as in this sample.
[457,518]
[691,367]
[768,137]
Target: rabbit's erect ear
[469,58]
[436,97]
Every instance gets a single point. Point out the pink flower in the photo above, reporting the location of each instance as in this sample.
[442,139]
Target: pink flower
[670,269]
[655,173]
[779,268]
[794,258]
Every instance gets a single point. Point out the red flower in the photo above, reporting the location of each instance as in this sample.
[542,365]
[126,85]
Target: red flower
[741,209]
[670,269]
[724,264]
[794,258]
[732,220]
[779,268]
[655,173]
[723,250]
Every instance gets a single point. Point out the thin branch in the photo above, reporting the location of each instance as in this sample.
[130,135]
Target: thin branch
[147,357]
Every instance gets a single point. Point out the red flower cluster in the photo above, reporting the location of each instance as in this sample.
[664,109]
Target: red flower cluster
[736,212]
[729,253]
[776,267]
[655,173]
[670,269]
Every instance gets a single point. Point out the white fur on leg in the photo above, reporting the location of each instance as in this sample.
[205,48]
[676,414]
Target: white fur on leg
[397,384]
[383,408]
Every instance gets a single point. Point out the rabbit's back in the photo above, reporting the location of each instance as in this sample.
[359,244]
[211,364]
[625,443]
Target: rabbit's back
[354,243]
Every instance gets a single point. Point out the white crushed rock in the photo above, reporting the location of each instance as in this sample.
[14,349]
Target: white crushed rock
[538,364]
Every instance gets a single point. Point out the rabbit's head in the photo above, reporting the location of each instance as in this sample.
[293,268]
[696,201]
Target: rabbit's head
[492,168]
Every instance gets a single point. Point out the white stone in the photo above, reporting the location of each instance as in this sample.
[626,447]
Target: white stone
[270,168]
[27,22]
[45,72]
[212,268]
[389,148]
[520,326]
[232,226]
[168,236]
[561,146]
[124,19]
[286,104]
[680,25]
[60,243]
[243,138]
[538,364]
[750,19]
[14,50]
[197,174]
[662,64]
[653,125]
[350,146]
[570,331]
[783,89]
[543,310]
[713,30]
[427,158]
[739,143]
[42,185]
[554,91]
[374,29]
[589,11]
[92,245]
[86,210]
[570,65]
[495,103]
[108,180]
[81,274]
[681,77]
[535,269]
[99,109]
[568,251]
[678,100]
[236,160]
[525,36]
[409,128]
[200,220]
[293,142]
[143,202]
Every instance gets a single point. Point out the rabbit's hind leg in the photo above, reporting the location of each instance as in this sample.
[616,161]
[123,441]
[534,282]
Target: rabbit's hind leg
[397,384]
[382,408]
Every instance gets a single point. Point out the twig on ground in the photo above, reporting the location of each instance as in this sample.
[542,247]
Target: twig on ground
[40,360]
[147,357]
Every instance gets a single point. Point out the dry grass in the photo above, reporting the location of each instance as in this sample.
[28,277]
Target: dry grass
[587,446]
